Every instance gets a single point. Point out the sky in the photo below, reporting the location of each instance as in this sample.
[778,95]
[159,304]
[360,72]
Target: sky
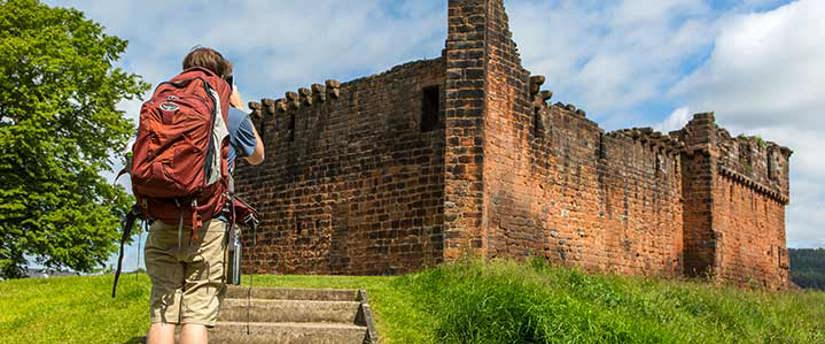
[629,63]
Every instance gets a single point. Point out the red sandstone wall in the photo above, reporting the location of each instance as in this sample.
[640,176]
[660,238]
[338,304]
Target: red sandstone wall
[557,186]
[749,195]
[464,113]
[359,188]
[697,185]
[751,235]
[642,184]
[513,220]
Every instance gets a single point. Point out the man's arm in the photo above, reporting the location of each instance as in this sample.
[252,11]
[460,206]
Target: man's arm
[257,156]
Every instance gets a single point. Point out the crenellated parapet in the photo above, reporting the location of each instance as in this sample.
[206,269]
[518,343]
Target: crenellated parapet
[256,108]
[540,99]
[756,163]
[655,140]
[572,109]
[545,113]
[759,164]
[764,189]
[294,100]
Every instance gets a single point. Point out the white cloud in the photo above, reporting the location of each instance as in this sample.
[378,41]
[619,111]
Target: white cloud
[611,58]
[766,69]
[277,46]
[633,11]
[675,121]
[765,77]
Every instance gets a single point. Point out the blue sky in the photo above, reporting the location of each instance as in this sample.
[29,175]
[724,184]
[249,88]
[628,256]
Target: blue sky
[756,63]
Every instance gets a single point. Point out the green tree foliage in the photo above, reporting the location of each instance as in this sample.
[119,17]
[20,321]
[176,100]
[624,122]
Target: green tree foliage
[58,131]
[808,267]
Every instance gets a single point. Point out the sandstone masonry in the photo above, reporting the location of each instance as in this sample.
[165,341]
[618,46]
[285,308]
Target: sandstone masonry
[466,155]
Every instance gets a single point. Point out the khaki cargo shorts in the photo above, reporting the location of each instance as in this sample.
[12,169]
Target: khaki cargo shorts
[187,278]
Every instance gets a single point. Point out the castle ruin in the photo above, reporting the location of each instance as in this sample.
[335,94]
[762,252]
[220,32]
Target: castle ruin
[465,155]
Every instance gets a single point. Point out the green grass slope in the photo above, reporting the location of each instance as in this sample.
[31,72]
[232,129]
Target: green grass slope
[500,302]
[73,310]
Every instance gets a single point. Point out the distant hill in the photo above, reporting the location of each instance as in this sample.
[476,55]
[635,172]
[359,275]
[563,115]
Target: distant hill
[808,267]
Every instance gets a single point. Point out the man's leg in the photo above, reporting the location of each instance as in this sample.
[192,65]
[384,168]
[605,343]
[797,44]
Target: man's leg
[166,273]
[203,283]
[193,334]
[160,333]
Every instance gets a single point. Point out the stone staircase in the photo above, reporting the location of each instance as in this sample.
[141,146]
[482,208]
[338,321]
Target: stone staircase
[286,315]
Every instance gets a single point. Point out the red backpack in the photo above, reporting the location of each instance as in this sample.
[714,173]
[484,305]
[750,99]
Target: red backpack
[179,159]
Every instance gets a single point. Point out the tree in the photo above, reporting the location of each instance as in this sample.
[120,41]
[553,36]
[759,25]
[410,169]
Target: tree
[59,129]
[808,267]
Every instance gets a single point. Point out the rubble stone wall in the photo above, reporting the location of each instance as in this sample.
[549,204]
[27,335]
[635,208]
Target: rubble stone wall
[351,183]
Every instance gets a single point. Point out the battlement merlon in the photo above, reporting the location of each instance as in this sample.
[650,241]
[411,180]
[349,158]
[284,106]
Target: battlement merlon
[758,164]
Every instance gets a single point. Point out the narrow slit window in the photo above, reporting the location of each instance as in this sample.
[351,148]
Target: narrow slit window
[429,108]
[746,155]
[772,166]
[291,128]
[602,153]
[537,123]
[660,164]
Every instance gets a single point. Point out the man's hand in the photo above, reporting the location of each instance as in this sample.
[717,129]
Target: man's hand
[235,99]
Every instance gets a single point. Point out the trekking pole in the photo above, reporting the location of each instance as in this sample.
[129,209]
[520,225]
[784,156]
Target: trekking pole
[140,239]
[128,222]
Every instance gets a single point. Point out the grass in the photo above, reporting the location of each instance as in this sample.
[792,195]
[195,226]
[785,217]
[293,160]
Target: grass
[73,310]
[499,302]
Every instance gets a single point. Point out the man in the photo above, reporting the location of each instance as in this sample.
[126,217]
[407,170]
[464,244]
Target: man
[188,275]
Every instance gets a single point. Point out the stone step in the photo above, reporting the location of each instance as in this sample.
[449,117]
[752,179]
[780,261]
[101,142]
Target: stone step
[236,292]
[286,332]
[302,311]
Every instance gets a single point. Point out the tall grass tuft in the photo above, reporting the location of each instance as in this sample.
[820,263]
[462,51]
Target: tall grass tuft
[509,302]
